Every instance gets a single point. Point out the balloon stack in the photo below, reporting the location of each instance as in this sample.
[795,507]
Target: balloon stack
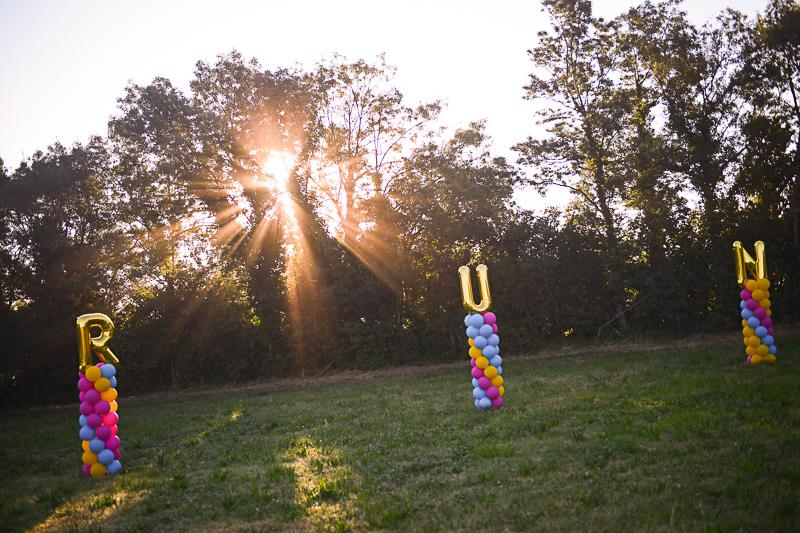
[484,343]
[756,308]
[97,384]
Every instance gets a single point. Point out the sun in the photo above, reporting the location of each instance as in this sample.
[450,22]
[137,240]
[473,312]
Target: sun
[277,168]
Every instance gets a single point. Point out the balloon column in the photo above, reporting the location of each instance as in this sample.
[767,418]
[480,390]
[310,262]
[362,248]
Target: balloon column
[98,396]
[484,343]
[755,305]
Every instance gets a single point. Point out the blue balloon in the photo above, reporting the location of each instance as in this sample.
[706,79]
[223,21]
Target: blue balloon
[105,457]
[499,370]
[83,420]
[485,330]
[489,351]
[773,349]
[478,393]
[476,320]
[97,445]
[753,322]
[485,402]
[466,320]
[113,382]
[477,403]
[742,304]
[474,382]
[769,340]
[480,342]
[493,339]
[496,361]
[746,314]
[86,433]
[761,331]
[472,332]
[115,467]
[108,370]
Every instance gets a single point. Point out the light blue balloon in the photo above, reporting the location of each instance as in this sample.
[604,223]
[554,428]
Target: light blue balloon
[485,330]
[83,420]
[474,382]
[476,320]
[743,304]
[86,433]
[746,314]
[105,457]
[472,332]
[478,393]
[480,342]
[485,402]
[753,322]
[477,403]
[499,370]
[113,382]
[466,320]
[97,445]
[115,467]
[489,351]
[773,349]
[108,370]
[769,340]
[496,361]
[761,331]
[493,339]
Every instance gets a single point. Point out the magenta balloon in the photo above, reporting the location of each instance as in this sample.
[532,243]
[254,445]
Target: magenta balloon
[86,408]
[472,361]
[495,329]
[84,384]
[484,383]
[745,294]
[114,430]
[497,403]
[103,432]
[113,442]
[492,392]
[110,419]
[767,322]
[752,304]
[102,407]
[87,470]
[489,318]
[760,312]
[94,420]
[116,454]
[92,396]
[477,373]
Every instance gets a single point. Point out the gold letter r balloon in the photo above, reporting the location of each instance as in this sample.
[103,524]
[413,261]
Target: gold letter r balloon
[88,344]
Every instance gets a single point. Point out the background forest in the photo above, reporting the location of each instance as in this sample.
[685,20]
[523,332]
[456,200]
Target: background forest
[299,221]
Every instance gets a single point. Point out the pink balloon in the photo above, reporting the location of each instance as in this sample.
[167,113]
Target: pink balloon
[472,361]
[477,373]
[94,420]
[484,383]
[110,419]
[752,304]
[770,330]
[494,328]
[116,453]
[767,322]
[92,396]
[760,312]
[114,430]
[113,442]
[497,403]
[749,359]
[102,407]
[492,392]
[84,384]
[745,294]
[87,470]
[86,408]
[489,318]
[82,396]
[103,432]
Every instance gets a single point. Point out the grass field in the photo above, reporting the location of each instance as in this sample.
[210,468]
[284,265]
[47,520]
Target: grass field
[669,439]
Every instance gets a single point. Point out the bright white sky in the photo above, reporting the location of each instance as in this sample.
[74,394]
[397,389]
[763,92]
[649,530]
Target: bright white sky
[64,64]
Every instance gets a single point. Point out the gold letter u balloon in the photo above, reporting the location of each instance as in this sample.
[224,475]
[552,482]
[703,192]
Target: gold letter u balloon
[467,297]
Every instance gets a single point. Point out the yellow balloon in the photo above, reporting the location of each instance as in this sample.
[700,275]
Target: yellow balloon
[751,285]
[475,352]
[98,470]
[113,406]
[109,395]
[769,358]
[471,341]
[753,340]
[763,284]
[750,350]
[762,350]
[481,362]
[497,381]
[102,384]
[93,373]
[490,371]
[758,294]
[502,390]
[744,323]
[89,458]
[769,312]
[756,359]
[85,446]
[765,303]
[748,332]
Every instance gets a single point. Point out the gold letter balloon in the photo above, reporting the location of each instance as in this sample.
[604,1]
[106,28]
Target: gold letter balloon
[98,395]
[484,342]
[756,309]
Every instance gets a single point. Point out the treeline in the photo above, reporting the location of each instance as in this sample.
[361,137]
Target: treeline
[298,221]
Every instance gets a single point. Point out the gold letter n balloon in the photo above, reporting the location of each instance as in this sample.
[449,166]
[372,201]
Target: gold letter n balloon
[484,343]
[98,395]
[755,305]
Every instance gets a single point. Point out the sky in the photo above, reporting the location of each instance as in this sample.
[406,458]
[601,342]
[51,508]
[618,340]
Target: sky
[64,64]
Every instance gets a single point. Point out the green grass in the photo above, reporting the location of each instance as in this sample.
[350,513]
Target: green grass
[634,441]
